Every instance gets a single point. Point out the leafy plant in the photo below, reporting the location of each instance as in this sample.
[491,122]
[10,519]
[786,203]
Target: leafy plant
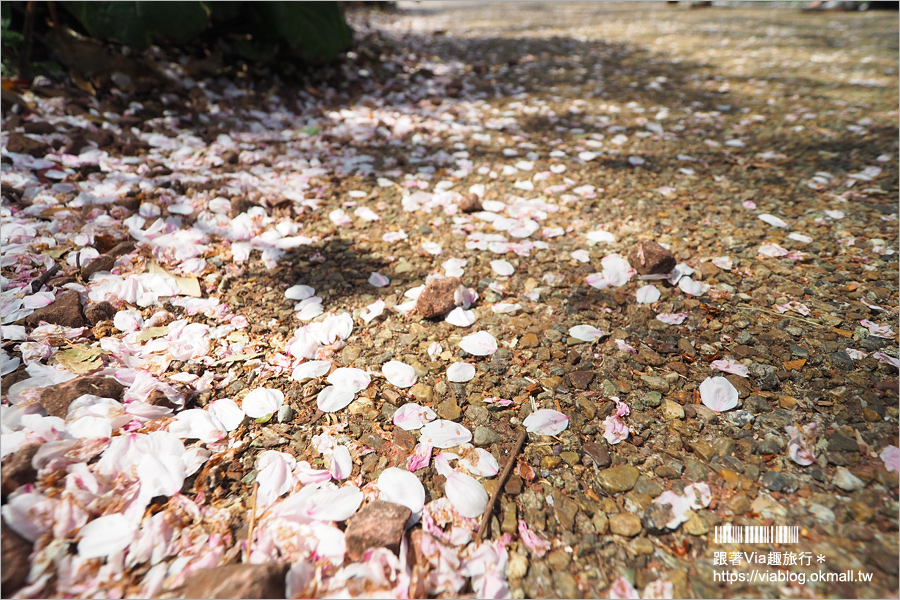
[139,24]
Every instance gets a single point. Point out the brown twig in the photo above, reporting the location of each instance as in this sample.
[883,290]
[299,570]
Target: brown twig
[778,314]
[252,521]
[38,283]
[486,517]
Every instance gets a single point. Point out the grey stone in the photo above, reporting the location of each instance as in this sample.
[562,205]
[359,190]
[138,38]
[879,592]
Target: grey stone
[764,376]
[618,479]
[779,482]
[484,436]
[841,360]
[845,480]
[757,405]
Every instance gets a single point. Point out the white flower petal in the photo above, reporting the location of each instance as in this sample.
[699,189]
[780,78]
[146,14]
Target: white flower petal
[311,370]
[227,412]
[460,372]
[648,294]
[299,292]
[460,317]
[586,333]
[481,343]
[349,379]
[402,487]
[718,394]
[332,398]
[466,494]
[772,220]
[106,535]
[262,401]
[399,373]
[373,310]
[502,268]
[546,421]
[341,463]
[444,434]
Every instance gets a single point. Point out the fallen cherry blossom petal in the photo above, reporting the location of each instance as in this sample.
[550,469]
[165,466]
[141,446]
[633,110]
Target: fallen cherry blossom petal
[625,347]
[615,430]
[311,369]
[647,294]
[227,412]
[106,535]
[802,443]
[333,398]
[460,372]
[411,416]
[731,366]
[545,421]
[262,402]
[466,494]
[460,317]
[378,280]
[481,343]
[531,540]
[718,394]
[772,220]
[373,310]
[502,268]
[672,318]
[621,589]
[882,331]
[402,487]
[399,373]
[890,456]
[349,379]
[299,292]
[444,434]
[341,463]
[586,333]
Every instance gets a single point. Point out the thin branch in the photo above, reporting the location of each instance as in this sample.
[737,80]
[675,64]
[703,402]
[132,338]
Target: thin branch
[778,314]
[38,283]
[501,481]
[252,521]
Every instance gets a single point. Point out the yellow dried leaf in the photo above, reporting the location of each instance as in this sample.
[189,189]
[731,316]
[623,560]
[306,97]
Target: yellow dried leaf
[187,286]
[794,365]
[151,333]
[80,359]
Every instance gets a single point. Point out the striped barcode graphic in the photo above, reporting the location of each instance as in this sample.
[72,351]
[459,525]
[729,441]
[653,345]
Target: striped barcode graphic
[752,534]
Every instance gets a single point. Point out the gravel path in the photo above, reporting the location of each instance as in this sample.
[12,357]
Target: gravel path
[236,344]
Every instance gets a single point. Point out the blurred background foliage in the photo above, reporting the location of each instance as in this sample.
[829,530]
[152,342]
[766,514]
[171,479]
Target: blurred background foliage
[310,32]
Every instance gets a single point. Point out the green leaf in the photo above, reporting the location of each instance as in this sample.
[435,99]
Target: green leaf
[264,418]
[311,130]
[316,30]
[139,24]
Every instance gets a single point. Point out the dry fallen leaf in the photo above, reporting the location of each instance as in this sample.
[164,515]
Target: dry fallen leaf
[187,286]
[80,359]
[794,365]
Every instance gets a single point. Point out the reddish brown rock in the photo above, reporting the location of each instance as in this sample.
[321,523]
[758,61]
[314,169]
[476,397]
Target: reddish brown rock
[17,470]
[238,581]
[56,398]
[120,249]
[14,551]
[22,144]
[598,453]
[65,311]
[378,524]
[99,311]
[438,298]
[649,257]
[104,262]
[470,203]
[581,379]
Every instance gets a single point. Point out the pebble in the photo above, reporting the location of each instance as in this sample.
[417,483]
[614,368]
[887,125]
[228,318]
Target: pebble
[672,410]
[651,399]
[422,393]
[625,524]
[779,482]
[598,453]
[565,585]
[559,559]
[618,479]
[484,436]
[695,525]
[648,486]
[448,409]
[764,376]
[517,567]
[657,384]
[845,480]
[822,514]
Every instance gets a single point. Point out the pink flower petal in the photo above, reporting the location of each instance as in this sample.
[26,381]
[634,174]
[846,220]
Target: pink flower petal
[399,373]
[621,589]
[378,280]
[718,394]
[672,318]
[531,540]
[341,463]
[420,457]
[546,421]
[890,456]
[412,416]
[274,477]
[730,366]
[479,344]
[615,430]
